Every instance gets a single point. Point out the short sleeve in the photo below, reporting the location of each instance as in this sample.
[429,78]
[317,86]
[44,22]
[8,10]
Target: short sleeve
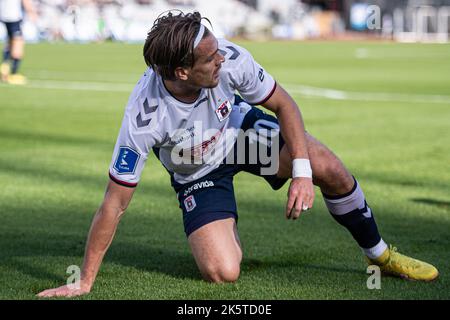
[249,78]
[131,150]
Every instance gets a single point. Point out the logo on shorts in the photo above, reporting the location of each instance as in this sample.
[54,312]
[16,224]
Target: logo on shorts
[189,203]
[199,185]
[224,110]
[126,161]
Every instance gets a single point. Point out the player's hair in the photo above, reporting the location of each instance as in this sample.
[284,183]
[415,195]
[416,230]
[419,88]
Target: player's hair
[170,42]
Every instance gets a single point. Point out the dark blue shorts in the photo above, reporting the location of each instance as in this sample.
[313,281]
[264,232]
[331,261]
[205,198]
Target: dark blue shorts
[13,29]
[211,197]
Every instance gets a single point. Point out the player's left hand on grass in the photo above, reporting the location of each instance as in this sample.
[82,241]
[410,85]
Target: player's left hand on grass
[300,197]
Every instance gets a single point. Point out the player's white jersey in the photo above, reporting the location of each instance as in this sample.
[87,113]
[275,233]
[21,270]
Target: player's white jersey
[11,10]
[192,139]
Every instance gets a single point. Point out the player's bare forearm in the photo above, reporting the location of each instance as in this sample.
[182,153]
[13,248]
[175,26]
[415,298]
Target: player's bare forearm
[301,190]
[291,122]
[100,236]
[103,228]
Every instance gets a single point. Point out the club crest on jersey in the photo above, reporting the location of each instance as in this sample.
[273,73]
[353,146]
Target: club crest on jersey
[189,203]
[126,161]
[224,110]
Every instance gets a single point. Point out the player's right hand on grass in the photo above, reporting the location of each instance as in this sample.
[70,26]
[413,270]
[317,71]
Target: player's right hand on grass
[68,291]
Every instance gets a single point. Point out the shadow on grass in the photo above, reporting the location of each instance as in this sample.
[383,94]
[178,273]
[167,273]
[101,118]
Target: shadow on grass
[44,248]
[35,255]
[289,262]
[398,179]
[44,174]
[433,202]
[45,138]
[158,255]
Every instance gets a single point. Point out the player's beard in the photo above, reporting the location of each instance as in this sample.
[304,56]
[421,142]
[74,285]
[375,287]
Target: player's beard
[212,84]
[212,81]
[215,79]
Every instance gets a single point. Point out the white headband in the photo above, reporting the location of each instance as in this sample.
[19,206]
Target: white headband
[199,36]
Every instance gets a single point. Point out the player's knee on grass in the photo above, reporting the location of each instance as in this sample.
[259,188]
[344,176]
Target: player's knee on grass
[226,272]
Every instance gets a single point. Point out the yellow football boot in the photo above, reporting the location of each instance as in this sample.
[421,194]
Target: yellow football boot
[5,69]
[17,79]
[394,263]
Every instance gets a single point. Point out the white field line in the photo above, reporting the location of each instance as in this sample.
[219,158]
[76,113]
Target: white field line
[333,94]
[372,54]
[300,90]
[93,75]
[76,85]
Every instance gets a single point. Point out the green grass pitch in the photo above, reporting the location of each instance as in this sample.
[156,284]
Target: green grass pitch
[383,108]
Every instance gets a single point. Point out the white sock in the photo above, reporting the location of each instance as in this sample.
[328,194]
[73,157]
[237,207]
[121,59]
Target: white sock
[376,251]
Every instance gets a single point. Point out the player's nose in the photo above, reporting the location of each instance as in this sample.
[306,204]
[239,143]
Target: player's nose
[221,58]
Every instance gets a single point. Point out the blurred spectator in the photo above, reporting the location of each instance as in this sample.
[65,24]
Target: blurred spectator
[130,20]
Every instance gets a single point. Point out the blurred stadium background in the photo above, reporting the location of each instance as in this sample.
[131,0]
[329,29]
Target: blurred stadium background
[381,104]
[128,20]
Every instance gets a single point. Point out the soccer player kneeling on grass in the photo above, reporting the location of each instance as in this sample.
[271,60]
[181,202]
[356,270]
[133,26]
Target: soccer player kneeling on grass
[185,110]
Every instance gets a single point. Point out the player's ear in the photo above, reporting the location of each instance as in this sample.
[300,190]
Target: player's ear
[181,73]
